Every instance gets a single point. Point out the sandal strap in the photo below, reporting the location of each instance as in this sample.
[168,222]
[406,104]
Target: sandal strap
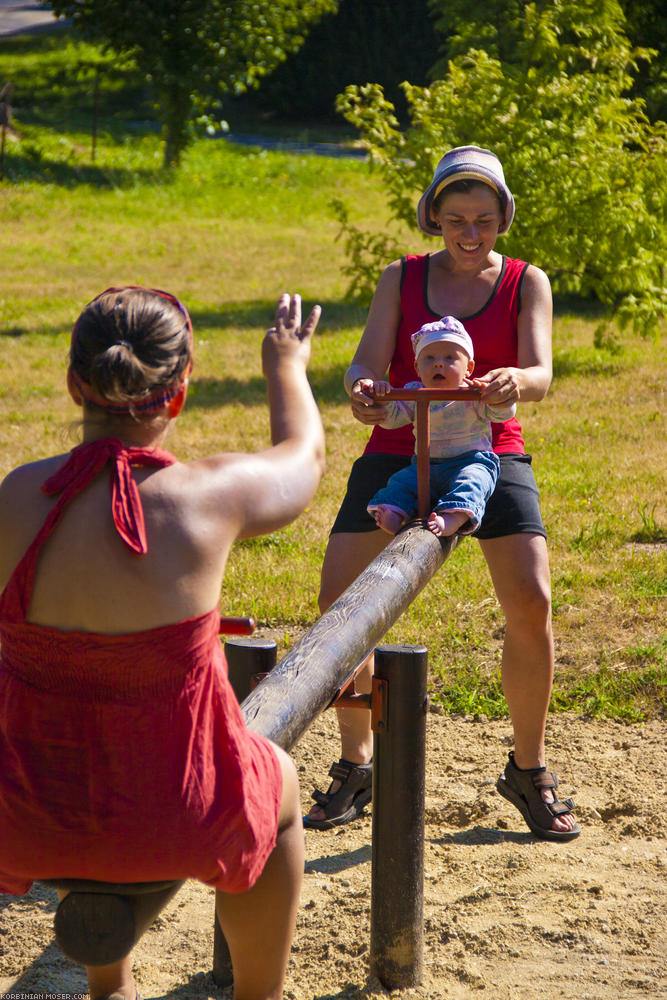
[354,778]
[544,779]
[529,783]
[558,808]
[344,770]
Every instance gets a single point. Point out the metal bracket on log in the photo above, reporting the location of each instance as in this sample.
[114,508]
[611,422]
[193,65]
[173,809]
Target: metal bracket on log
[376,701]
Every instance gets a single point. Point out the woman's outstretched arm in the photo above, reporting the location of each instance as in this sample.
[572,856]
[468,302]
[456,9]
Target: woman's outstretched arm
[266,490]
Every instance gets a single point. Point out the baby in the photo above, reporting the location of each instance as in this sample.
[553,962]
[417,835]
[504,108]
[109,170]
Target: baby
[463,467]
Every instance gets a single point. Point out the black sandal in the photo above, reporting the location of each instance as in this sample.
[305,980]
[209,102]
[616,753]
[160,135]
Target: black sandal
[524,790]
[349,801]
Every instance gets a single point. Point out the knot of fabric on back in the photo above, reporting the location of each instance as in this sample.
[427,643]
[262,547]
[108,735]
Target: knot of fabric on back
[86,461]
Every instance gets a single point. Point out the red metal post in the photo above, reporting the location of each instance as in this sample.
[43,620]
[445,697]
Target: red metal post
[422,398]
[423,435]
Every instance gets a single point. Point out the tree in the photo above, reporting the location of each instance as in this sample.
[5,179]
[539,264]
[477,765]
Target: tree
[587,168]
[647,25]
[373,40]
[194,51]
[496,27]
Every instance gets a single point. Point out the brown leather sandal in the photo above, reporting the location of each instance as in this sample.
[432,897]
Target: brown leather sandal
[349,801]
[523,789]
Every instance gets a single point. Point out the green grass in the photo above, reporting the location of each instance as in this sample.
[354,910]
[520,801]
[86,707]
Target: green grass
[228,231]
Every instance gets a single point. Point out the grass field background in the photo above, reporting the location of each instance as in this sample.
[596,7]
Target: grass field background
[228,231]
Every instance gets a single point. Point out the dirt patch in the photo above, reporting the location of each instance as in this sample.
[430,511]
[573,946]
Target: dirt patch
[505,915]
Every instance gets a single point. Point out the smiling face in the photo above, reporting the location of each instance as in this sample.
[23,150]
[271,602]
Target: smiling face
[469,223]
[443,365]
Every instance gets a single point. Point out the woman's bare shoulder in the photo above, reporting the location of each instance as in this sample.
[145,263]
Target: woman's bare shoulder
[388,289]
[535,277]
[393,271]
[30,476]
[23,509]
[215,486]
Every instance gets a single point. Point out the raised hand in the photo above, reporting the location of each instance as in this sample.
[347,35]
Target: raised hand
[288,339]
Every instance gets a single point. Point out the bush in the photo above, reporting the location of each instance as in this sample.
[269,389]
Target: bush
[587,168]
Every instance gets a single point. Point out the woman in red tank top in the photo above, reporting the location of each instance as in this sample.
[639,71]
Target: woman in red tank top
[124,756]
[505,305]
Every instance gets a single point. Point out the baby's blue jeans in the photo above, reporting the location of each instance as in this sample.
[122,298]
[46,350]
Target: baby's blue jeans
[463,483]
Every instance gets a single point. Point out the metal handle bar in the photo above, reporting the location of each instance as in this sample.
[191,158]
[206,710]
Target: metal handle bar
[423,397]
[237,626]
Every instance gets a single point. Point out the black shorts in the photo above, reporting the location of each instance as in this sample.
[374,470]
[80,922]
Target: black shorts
[514,506]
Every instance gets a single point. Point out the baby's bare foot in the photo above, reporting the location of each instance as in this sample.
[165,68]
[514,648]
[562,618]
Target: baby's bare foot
[443,525]
[436,523]
[389,519]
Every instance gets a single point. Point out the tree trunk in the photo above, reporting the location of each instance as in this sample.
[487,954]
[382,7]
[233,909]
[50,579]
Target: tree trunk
[177,108]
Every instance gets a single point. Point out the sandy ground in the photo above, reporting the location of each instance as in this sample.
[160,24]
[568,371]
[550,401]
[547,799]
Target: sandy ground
[505,915]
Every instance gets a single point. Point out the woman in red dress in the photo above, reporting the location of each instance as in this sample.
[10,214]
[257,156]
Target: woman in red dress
[123,753]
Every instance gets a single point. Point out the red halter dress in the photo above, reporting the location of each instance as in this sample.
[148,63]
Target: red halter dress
[124,758]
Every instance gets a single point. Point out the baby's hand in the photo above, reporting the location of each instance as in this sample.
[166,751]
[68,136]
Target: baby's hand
[367,406]
[380,389]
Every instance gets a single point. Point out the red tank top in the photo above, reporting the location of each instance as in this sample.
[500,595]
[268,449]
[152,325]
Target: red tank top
[494,335]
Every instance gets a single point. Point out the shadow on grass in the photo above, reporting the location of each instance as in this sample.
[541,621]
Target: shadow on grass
[591,364]
[336,316]
[53,75]
[579,306]
[30,165]
[257,314]
[327,385]
[206,393]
